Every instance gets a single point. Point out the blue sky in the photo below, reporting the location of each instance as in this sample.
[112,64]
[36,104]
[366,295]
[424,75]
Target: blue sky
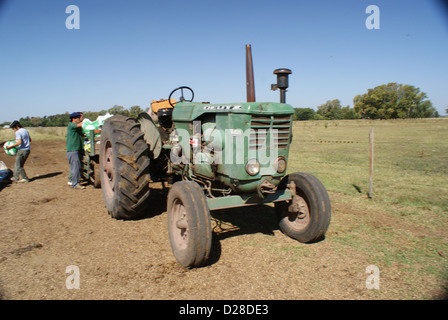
[131,52]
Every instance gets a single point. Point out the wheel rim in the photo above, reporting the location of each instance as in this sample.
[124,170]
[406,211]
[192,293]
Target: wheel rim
[108,169]
[179,225]
[301,219]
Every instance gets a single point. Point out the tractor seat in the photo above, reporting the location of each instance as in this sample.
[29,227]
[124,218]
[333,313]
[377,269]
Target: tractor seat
[161,104]
[161,112]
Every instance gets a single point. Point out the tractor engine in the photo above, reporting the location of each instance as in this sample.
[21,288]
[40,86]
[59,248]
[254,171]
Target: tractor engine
[232,147]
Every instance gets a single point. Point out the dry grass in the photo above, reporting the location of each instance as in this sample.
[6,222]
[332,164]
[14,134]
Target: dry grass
[402,229]
[37,134]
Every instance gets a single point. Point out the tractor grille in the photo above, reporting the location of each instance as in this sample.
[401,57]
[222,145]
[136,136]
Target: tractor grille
[260,126]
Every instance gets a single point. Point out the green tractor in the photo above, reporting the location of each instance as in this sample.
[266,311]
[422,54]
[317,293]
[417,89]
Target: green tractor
[213,156]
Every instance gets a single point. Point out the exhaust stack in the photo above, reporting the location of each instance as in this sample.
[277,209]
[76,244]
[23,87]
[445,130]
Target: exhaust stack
[250,84]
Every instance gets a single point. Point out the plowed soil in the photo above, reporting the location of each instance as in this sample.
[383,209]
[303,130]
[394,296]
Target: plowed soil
[47,227]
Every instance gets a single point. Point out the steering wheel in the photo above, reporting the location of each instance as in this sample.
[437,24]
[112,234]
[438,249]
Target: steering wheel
[181,99]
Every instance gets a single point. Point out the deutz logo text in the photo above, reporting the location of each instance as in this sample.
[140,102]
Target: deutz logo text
[222,107]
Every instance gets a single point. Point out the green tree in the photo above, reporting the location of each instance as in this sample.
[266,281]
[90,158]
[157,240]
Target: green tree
[134,111]
[303,114]
[349,113]
[393,101]
[331,110]
[25,121]
[118,110]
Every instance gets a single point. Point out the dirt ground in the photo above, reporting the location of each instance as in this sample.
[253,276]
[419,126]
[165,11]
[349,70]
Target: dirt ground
[47,228]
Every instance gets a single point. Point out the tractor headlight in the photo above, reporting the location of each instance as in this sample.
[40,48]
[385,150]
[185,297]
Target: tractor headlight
[280,164]
[253,167]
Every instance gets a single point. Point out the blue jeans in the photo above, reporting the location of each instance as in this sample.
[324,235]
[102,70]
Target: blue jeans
[75,166]
[21,157]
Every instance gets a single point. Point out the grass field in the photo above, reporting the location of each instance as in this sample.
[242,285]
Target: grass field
[41,133]
[410,159]
[405,223]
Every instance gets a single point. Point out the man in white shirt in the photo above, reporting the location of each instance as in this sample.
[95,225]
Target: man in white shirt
[22,144]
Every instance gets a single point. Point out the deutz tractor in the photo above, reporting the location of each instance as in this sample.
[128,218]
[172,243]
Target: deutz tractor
[209,157]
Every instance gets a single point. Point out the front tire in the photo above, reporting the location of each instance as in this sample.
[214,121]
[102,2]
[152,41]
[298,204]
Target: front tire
[309,222]
[189,224]
[124,168]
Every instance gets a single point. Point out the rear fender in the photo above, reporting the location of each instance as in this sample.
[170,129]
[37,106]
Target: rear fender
[151,133]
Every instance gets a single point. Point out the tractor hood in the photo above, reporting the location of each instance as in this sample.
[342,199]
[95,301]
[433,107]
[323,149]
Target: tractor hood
[188,111]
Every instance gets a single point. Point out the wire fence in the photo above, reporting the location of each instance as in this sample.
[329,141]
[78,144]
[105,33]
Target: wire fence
[411,155]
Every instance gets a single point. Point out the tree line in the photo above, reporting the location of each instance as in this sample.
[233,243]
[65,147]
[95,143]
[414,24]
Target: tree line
[61,120]
[388,101]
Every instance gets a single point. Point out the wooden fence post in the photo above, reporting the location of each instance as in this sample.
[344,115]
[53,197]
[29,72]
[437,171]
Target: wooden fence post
[371,163]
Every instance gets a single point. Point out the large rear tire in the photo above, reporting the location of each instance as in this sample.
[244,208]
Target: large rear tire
[124,168]
[96,174]
[306,218]
[189,224]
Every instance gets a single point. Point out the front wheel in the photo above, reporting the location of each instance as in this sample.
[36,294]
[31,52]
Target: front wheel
[189,224]
[307,215]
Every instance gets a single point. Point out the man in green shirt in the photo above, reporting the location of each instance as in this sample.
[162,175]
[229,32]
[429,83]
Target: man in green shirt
[75,142]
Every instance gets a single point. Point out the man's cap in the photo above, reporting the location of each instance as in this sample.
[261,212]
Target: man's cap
[75,115]
[14,123]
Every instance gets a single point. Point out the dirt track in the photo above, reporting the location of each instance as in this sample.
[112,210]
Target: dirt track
[46,227]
